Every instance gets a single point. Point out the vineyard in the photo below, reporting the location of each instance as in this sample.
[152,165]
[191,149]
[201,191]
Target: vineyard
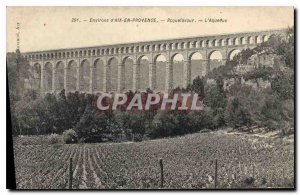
[244,161]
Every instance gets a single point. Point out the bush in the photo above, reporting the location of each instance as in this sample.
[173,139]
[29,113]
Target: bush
[199,120]
[170,123]
[54,138]
[138,137]
[70,136]
[132,123]
[248,181]
[93,126]
[164,123]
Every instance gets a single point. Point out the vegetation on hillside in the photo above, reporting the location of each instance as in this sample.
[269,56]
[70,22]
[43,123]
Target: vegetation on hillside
[240,106]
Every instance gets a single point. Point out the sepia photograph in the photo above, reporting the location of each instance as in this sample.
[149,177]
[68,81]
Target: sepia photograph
[151,98]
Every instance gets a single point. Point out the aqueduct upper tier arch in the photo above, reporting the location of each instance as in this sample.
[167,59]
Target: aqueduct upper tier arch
[105,68]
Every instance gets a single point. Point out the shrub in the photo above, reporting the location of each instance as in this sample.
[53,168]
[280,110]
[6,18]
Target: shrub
[138,137]
[170,123]
[132,123]
[215,97]
[93,126]
[164,123]
[70,136]
[248,181]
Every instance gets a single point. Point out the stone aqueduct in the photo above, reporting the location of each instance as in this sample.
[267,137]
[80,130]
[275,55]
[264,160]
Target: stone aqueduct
[104,68]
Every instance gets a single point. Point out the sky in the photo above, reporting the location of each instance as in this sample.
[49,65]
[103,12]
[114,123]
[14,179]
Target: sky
[46,28]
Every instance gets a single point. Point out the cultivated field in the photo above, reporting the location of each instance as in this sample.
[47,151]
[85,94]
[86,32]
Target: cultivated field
[189,162]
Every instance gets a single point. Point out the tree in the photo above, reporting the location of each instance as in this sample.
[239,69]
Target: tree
[198,86]
[132,122]
[18,69]
[92,126]
[214,98]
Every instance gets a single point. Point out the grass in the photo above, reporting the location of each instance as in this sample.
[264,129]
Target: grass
[188,163]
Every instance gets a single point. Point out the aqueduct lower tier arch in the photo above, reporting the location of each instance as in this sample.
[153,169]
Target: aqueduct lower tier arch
[158,65]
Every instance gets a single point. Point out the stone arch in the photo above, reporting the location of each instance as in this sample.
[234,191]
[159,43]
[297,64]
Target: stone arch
[84,75]
[215,59]
[186,45]
[98,73]
[177,70]
[127,73]
[182,45]
[257,39]
[265,38]
[215,43]
[243,41]
[159,72]
[197,65]
[48,74]
[143,70]
[59,76]
[236,41]
[221,42]
[111,51]
[232,53]
[137,49]
[112,74]
[208,43]
[72,76]
[153,47]
[202,43]
[229,41]
[250,40]
[193,44]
